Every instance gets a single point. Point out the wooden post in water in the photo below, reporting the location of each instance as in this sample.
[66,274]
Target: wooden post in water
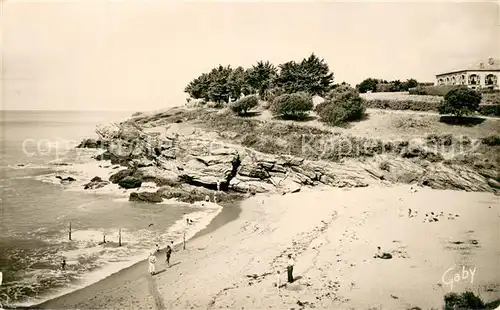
[184,241]
[120,237]
[69,231]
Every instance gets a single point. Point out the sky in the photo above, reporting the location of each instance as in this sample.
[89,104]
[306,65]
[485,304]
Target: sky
[139,55]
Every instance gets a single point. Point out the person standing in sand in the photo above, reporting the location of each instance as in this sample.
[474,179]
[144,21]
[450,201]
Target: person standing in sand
[289,268]
[168,252]
[278,280]
[152,262]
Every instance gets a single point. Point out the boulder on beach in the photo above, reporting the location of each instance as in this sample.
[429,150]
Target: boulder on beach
[67,179]
[120,175]
[95,183]
[90,144]
[145,197]
[130,182]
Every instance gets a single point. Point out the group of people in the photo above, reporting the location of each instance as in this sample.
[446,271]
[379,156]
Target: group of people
[152,257]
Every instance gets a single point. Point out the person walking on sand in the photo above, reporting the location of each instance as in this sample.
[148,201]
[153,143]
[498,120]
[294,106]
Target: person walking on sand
[169,252]
[289,268]
[278,280]
[152,262]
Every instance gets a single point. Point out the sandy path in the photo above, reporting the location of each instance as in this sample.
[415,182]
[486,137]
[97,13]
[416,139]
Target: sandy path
[333,235]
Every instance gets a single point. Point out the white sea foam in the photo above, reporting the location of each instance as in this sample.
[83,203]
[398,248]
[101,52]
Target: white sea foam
[113,259]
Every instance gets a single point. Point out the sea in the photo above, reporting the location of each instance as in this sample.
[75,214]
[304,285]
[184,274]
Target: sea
[37,209]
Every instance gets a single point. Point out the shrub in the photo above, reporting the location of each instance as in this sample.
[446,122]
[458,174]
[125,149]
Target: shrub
[466,300]
[272,93]
[349,107]
[245,104]
[460,102]
[439,90]
[293,106]
[489,110]
[491,140]
[403,105]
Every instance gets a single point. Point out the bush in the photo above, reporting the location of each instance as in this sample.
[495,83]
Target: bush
[349,107]
[403,105]
[467,300]
[460,102]
[489,110]
[439,90]
[245,104]
[491,140]
[292,106]
[272,93]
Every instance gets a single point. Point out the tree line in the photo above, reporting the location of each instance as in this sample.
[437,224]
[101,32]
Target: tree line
[379,85]
[225,84]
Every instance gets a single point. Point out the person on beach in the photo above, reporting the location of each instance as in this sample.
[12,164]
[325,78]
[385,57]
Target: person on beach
[63,264]
[278,281]
[168,252]
[289,268]
[152,262]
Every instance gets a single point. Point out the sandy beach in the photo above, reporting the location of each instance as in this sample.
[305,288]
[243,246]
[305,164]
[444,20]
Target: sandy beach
[333,236]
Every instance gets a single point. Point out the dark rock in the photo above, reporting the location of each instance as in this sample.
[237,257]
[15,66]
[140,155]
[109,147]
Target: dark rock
[120,175]
[95,183]
[130,182]
[90,144]
[96,179]
[146,197]
[67,179]
[104,156]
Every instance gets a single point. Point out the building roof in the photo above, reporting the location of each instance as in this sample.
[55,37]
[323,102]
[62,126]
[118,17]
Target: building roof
[491,64]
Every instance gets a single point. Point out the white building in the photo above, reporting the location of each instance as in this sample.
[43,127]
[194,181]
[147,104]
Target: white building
[483,74]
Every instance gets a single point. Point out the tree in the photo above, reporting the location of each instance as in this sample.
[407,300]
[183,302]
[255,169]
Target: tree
[368,84]
[411,83]
[292,106]
[198,88]
[245,104]
[236,82]
[219,87]
[461,101]
[261,76]
[311,75]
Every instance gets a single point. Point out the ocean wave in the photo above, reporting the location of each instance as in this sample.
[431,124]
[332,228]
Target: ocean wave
[89,260]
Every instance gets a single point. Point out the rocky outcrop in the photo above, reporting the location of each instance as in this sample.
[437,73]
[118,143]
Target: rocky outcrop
[66,179]
[146,197]
[95,183]
[120,175]
[188,163]
[130,182]
[91,144]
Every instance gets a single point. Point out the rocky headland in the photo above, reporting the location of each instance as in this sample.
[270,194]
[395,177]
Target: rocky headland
[191,153]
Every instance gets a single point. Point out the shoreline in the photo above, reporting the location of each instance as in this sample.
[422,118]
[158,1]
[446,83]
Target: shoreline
[333,244]
[229,212]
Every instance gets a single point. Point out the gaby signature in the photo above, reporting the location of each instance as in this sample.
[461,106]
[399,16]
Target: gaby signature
[454,275]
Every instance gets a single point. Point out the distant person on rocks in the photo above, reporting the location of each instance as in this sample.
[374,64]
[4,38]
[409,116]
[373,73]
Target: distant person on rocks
[289,268]
[152,262]
[63,264]
[168,252]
